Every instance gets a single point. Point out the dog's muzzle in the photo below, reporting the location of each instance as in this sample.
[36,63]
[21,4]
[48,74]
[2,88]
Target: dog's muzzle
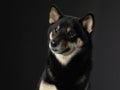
[57,48]
[54,43]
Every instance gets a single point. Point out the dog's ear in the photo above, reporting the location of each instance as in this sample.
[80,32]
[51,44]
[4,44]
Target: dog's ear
[88,22]
[55,14]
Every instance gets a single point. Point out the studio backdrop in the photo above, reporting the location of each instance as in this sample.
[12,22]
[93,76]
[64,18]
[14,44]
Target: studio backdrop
[24,44]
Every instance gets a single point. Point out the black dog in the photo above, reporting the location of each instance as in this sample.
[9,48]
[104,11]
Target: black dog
[70,49]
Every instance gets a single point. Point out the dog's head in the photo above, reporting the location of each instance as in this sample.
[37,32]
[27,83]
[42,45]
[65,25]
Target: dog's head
[68,33]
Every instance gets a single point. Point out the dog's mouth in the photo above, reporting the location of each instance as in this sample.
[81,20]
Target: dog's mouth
[60,51]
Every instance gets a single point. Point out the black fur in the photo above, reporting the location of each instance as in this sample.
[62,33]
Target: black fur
[68,77]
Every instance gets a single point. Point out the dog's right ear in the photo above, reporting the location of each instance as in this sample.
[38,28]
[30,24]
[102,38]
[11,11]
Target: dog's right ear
[55,14]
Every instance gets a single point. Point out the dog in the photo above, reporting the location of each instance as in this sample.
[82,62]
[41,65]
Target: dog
[69,61]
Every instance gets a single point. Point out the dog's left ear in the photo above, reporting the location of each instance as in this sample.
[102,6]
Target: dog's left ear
[55,14]
[88,22]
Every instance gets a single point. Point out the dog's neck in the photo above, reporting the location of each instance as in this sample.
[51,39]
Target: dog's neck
[79,55]
[65,59]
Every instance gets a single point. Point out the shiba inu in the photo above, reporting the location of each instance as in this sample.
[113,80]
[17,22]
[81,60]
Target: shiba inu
[70,50]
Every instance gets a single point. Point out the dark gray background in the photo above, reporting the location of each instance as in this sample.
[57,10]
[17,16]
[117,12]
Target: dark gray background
[24,41]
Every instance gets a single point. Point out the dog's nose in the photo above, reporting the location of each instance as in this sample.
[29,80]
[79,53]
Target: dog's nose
[54,43]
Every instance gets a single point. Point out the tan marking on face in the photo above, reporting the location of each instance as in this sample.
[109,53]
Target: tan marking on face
[69,52]
[51,36]
[58,28]
[68,29]
[79,42]
[63,43]
[74,46]
[89,30]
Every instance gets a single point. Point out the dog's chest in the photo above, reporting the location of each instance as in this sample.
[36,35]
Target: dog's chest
[47,86]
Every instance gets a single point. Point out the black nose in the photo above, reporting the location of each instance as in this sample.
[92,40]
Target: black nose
[54,43]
